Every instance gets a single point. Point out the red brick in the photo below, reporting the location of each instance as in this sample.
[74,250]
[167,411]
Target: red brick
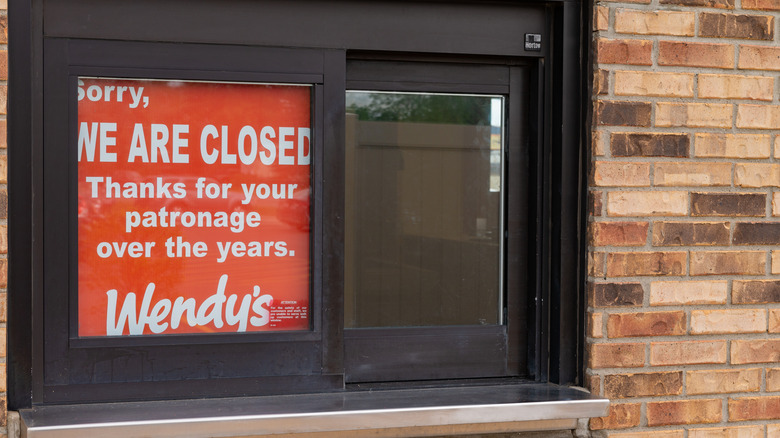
[763,5]
[755,291]
[3,29]
[728,204]
[729,25]
[695,54]
[595,325]
[727,432]
[728,263]
[595,203]
[619,233]
[596,266]
[755,351]
[3,239]
[757,175]
[601,82]
[633,52]
[684,412]
[652,434]
[773,379]
[759,57]
[774,320]
[616,355]
[622,113]
[776,202]
[696,115]
[3,307]
[3,99]
[687,353]
[722,381]
[621,174]
[690,233]
[736,87]
[3,65]
[643,384]
[724,321]
[616,294]
[655,22]
[647,203]
[3,169]
[3,349]
[3,203]
[723,4]
[597,143]
[644,83]
[620,325]
[3,412]
[756,233]
[649,145]
[692,174]
[709,145]
[3,273]
[594,384]
[758,117]
[680,293]
[754,408]
[629,264]
[621,416]
[601,18]
[3,134]
[631,1]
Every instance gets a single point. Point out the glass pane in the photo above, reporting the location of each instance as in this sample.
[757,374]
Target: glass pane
[423,209]
[193,207]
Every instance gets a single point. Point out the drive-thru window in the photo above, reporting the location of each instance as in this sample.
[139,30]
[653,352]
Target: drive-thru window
[373,207]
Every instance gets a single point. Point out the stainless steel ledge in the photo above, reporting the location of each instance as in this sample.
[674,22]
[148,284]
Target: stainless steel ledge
[407,412]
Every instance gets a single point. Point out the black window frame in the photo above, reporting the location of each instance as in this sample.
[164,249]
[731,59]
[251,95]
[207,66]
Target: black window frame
[67,368]
[555,300]
[457,352]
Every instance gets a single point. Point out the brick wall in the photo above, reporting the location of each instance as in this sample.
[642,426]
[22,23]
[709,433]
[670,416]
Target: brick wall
[684,261]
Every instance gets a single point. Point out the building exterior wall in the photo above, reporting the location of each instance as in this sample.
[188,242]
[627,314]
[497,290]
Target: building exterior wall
[683,320]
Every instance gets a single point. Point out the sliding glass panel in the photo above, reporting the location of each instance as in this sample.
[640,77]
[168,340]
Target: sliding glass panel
[424,209]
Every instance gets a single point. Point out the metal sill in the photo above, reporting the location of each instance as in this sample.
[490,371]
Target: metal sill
[389,412]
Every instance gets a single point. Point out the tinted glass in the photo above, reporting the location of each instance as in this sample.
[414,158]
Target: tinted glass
[423,209]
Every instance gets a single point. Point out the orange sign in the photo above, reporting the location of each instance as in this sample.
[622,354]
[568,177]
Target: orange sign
[193,207]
